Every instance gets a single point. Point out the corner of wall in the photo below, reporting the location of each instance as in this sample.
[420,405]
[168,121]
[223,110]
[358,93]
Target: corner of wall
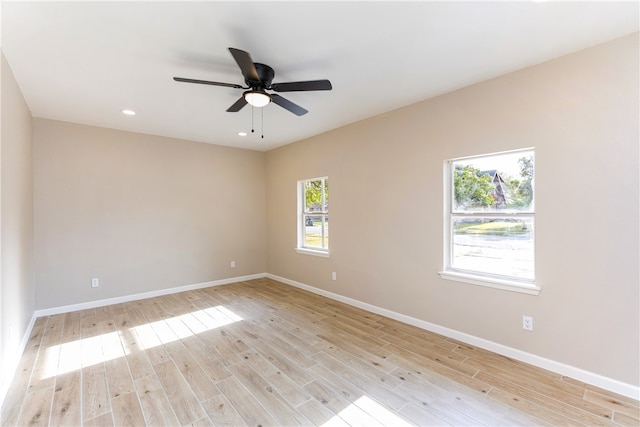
[17,297]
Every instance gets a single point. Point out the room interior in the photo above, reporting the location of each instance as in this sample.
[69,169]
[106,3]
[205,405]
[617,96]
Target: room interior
[164,201]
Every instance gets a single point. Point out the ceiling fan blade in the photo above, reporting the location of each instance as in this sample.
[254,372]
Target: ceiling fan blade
[245,63]
[288,105]
[302,86]
[237,106]
[207,82]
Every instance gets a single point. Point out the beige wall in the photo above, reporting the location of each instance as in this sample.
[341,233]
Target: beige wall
[16,222]
[581,114]
[141,213]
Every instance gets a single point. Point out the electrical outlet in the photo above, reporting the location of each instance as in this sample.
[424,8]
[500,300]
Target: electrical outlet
[333,275]
[95,282]
[527,323]
[233,264]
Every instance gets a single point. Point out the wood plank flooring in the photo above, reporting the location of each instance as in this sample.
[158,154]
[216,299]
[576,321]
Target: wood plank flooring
[263,353]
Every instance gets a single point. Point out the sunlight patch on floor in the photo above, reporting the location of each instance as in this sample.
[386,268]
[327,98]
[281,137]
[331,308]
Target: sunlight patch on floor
[78,354]
[367,412]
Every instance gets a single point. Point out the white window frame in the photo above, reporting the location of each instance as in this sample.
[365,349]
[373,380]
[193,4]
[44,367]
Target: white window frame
[324,214]
[510,283]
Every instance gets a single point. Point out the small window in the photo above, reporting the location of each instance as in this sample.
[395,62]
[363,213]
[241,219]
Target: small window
[490,220]
[313,216]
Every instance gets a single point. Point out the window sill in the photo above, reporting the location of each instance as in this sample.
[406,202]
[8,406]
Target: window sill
[504,284]
[306,251]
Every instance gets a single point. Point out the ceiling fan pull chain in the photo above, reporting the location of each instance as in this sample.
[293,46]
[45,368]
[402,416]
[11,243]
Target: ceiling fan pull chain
[252,119]
[262,124]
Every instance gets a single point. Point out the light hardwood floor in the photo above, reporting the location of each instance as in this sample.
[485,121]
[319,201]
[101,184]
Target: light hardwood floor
[264,353]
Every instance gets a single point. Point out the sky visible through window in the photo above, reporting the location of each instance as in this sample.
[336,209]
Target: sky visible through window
[506,163]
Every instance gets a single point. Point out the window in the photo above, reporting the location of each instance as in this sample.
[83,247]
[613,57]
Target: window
[313,216]
[490,221]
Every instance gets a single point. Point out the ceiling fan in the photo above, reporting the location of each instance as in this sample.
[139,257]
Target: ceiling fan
[258,79]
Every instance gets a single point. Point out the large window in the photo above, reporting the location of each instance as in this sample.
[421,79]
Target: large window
[313,216]
[490,220]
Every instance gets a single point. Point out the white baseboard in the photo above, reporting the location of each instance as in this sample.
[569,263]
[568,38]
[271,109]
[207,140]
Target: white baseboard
[597,380]
[143,295]
[8,371]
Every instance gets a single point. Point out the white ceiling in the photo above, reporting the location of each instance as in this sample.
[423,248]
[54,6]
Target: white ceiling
[84,62]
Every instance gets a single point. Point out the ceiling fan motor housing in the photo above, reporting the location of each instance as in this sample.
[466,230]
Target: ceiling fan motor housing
[266,75]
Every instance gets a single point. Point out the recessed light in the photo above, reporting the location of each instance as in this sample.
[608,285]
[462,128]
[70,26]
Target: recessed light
[129,112]
[242,133]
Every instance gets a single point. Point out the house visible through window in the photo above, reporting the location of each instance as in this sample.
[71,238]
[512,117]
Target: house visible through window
[490,224]
[313,216]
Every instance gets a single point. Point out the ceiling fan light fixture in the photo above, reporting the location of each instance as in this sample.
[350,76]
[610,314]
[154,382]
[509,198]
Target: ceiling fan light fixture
[257,98]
